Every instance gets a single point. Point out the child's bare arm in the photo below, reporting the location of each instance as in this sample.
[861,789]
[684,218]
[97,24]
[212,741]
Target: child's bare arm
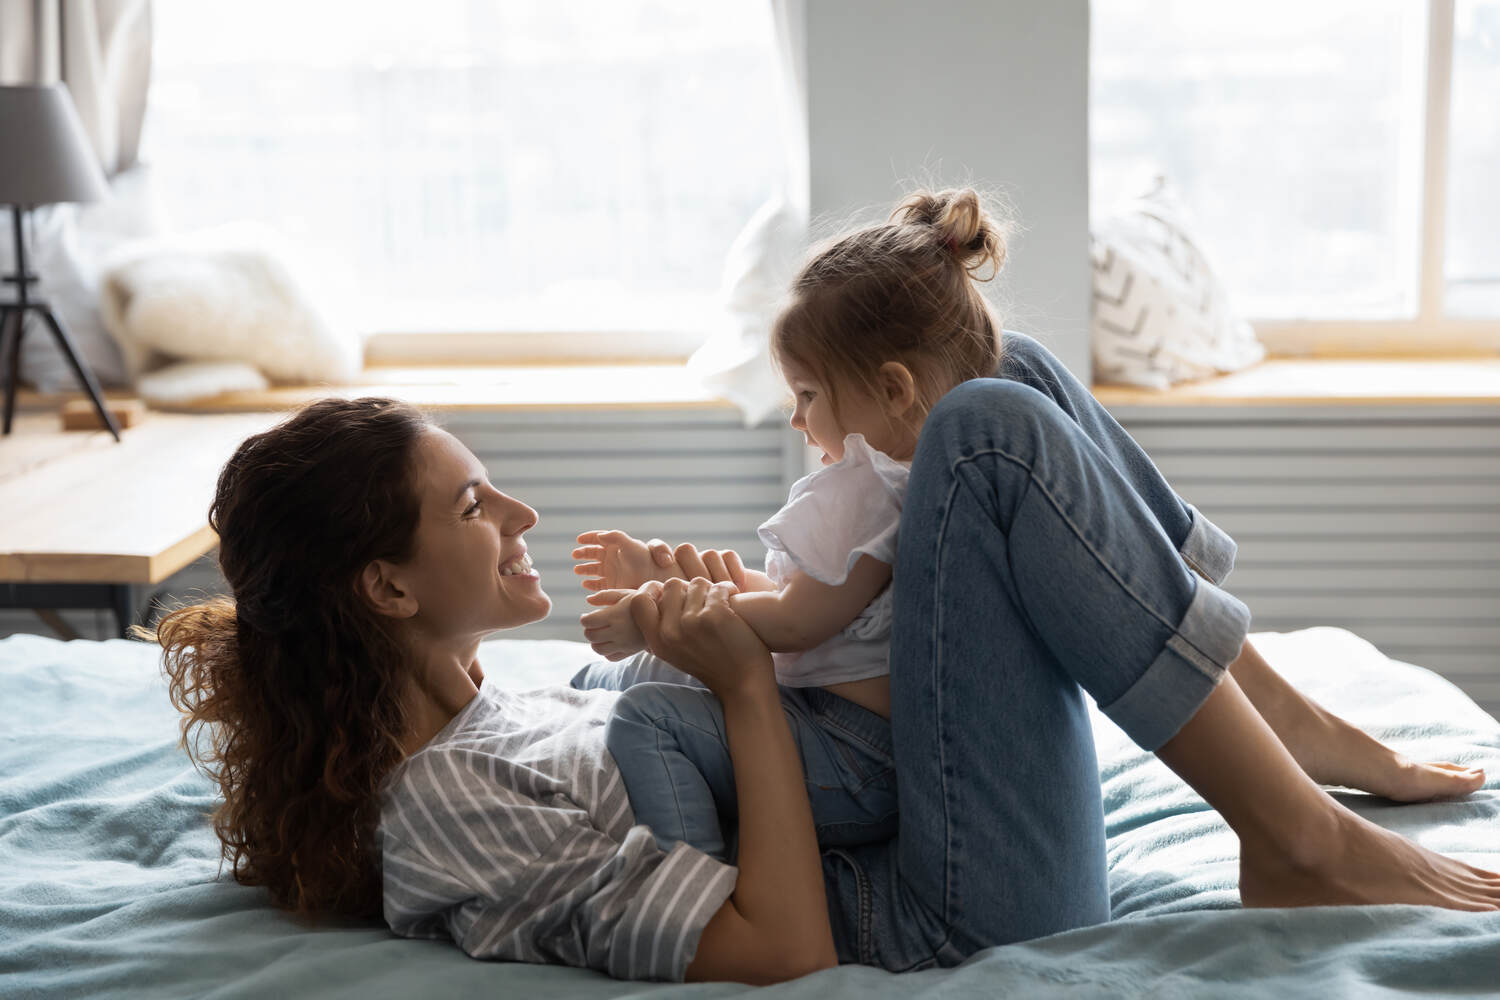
[805,612]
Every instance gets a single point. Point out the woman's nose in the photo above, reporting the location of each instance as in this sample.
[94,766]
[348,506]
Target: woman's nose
[517,517]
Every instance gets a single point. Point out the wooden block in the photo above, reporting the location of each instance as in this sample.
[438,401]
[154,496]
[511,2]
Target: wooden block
[80,415]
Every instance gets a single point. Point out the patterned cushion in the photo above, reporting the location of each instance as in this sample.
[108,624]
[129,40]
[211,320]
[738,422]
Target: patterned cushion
[1159,313]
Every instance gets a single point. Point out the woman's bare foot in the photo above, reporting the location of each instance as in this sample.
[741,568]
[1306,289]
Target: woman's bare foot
[1333,752]
[613,560]
[1357,862]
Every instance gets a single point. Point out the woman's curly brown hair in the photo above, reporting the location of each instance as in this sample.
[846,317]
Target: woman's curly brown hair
[297,682]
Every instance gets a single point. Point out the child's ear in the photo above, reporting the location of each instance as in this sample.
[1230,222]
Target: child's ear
[380,584]
[898,388]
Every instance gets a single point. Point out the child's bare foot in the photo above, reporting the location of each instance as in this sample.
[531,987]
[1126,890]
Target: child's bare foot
[1358,862]
[1333,752]
[613,560]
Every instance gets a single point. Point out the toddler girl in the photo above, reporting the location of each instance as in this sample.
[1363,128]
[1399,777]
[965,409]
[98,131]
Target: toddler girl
[862,380]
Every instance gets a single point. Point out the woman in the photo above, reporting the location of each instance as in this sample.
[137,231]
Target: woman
[353,735]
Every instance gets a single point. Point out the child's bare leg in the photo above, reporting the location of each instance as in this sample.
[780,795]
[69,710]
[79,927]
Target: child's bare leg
[1333,752]
[1298,846]
[613,560]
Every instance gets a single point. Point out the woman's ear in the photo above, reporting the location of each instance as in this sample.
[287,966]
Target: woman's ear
[379,584]
[898,388]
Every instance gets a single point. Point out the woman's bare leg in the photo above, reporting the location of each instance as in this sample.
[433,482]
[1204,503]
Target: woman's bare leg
[1298,846]
[1333,752]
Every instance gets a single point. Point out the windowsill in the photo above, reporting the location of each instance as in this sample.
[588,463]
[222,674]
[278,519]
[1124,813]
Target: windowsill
[495,387]
[1330,382]
[1274,382]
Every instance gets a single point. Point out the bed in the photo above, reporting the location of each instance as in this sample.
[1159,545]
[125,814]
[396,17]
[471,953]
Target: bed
[110,882]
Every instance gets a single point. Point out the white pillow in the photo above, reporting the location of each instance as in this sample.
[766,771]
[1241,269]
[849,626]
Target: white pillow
[231,294]
[1160,315]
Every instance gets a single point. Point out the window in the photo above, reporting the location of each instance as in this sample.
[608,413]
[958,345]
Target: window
[473,165]
[1472,261]
[1346,200]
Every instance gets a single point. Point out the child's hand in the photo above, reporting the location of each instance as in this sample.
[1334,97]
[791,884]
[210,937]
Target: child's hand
[610,630]
[612,560]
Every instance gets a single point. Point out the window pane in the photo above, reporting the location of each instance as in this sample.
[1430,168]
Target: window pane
[478,164]
[1473,257]
[1293,131]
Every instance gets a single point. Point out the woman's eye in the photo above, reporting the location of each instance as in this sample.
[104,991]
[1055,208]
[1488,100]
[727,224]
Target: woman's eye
[472,509]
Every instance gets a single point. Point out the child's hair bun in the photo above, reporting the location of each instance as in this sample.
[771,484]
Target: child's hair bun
[960,226]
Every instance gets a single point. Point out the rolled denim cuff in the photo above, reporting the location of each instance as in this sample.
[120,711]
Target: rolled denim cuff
[1189,667]
[1208,551]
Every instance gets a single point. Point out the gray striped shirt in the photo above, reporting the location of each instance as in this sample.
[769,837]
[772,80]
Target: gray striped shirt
[510,832]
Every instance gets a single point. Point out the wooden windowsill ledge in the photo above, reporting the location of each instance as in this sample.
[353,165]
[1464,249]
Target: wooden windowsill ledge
[1329,382]
[1274,382]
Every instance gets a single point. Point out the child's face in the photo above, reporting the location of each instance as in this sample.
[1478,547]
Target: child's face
[858,414]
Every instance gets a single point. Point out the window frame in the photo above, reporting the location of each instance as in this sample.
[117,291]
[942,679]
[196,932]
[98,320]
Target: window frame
[1432,331]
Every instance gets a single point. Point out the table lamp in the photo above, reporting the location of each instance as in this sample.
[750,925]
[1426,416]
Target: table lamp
[44,158]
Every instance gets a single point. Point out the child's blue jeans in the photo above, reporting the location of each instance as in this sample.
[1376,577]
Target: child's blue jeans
[1042,557]
[666,733]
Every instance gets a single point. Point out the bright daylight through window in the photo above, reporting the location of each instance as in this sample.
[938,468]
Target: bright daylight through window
[1295,133]
[477,165]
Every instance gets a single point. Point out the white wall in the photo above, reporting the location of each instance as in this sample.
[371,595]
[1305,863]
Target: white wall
[993,92]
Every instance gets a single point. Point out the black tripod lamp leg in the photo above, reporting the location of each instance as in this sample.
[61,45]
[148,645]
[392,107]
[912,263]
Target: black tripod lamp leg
[85,377]
[10,346]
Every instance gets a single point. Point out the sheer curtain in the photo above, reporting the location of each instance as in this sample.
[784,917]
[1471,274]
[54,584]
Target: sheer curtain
[101,49]
[735,360]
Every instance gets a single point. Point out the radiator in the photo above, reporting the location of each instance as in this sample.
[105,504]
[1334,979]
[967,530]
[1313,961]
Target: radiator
[1381,520]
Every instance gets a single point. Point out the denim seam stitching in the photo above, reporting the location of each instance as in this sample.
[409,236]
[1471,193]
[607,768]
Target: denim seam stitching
[1042,488]
[676,800]
[865,746]
[937,696]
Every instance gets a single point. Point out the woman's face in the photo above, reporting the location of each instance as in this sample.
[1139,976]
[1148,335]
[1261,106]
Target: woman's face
[470,575]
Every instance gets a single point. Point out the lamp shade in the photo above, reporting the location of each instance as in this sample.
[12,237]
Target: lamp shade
[45,156]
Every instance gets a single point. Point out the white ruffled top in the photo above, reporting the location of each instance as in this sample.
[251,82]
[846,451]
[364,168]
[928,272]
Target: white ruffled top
[833,516]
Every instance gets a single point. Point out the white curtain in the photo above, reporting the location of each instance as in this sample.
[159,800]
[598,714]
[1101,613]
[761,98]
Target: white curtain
[101,49]
[735,360]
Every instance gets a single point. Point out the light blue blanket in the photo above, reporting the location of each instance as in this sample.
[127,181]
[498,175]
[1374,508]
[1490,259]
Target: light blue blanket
[110,881]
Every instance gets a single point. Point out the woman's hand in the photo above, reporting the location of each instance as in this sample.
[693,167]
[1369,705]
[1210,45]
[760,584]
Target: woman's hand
[692,627]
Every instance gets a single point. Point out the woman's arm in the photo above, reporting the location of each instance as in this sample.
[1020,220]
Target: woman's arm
[775,925]
[805,613]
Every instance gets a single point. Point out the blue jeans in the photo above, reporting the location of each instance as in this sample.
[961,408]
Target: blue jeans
[666,733]
[1041,557]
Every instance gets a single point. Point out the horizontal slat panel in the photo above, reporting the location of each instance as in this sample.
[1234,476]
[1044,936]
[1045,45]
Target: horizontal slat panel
[459,422]
[1371,467]
[504,469]
[1280,492]
[756,495]
[1454,523]
[1285,602]
[1284,438]
[1378,548]
[612,440]
[1392,633]
[1263,577]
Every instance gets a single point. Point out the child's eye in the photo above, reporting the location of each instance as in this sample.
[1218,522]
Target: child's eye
[806,395]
